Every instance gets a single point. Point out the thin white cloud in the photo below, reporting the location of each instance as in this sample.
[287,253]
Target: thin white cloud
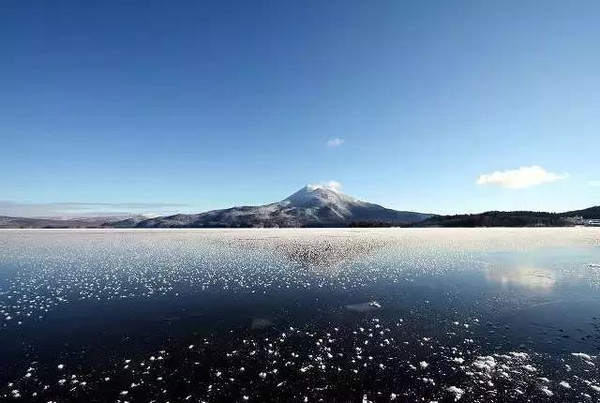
[78,209]
[334,185]
[521,178]
[335,142]
[331,184]
[594,183]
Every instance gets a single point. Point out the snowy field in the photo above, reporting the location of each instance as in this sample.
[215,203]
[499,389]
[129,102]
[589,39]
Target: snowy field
[470,315]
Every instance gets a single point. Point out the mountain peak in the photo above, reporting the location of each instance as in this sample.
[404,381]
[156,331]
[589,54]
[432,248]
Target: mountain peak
[318,196]
[328,188]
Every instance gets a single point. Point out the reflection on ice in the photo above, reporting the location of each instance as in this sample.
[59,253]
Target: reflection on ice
[364,307]
[327,256]
[260,323]
[522,276]
[295,315]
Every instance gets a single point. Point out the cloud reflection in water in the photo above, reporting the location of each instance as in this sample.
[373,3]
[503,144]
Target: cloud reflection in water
[522,276]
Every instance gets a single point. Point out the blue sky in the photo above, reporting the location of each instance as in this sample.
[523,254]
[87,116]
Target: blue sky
[161,107]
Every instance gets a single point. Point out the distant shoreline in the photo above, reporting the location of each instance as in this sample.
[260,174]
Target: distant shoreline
[110,229]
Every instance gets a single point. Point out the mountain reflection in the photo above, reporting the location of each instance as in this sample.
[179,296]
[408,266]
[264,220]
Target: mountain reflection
[329,256]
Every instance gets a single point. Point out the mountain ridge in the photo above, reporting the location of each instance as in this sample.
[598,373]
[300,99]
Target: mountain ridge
[314,206]
[513,219]
[311,206]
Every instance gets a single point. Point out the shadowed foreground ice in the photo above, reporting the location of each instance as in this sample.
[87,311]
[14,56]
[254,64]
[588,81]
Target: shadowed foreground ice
[300,315]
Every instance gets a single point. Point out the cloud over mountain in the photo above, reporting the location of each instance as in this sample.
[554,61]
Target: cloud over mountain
[331,184]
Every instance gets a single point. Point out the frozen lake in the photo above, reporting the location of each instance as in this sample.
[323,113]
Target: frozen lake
[300,315]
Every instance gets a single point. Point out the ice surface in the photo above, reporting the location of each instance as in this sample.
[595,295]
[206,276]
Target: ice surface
[388,314]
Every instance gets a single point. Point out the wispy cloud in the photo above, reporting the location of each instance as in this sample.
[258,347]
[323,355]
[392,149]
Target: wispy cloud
[335,142]
[521,178]
[331,184]
[594,183]
[77,209]
[335,185]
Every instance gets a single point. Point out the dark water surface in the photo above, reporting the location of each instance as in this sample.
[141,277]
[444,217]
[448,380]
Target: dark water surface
[300,315]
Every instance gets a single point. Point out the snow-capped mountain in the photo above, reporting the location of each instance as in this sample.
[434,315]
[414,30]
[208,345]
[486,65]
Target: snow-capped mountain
[311,206]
